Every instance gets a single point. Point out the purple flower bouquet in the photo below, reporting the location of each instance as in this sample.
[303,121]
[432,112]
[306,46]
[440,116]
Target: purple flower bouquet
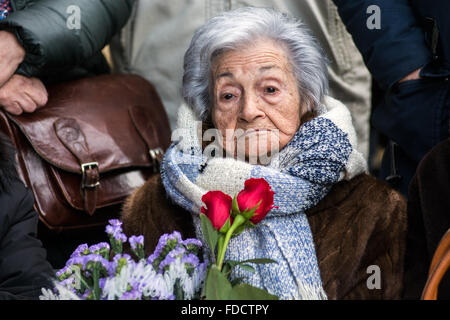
[175,270]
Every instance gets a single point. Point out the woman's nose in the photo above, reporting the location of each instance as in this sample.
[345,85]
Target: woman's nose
[251,108]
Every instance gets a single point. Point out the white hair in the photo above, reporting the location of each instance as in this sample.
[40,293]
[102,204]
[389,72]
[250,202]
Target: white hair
[234,29]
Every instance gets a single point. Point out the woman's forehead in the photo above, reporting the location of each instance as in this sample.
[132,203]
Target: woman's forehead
[259,58]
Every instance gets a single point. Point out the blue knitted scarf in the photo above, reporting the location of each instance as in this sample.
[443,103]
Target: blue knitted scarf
[320,154]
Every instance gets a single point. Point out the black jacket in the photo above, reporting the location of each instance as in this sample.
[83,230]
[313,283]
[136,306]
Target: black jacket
[24,269]
[412,34]
[56,52]
[429,212]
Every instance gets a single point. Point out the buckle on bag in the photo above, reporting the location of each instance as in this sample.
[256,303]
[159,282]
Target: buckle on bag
[84,168]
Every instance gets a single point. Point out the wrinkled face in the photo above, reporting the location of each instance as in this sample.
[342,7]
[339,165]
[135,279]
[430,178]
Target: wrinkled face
[254,89]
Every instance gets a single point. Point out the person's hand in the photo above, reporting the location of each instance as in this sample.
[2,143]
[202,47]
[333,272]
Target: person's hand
[22,94]
[412,76]
[11,55]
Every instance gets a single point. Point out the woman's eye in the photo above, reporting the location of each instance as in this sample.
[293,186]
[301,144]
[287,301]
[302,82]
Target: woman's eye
[228,96]
[270,90]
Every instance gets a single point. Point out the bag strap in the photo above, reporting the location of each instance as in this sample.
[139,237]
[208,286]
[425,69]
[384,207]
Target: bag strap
[439,266]
[149,134]
[443,247]
[69,133]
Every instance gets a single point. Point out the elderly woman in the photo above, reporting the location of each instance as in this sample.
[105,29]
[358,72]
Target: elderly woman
[335,231]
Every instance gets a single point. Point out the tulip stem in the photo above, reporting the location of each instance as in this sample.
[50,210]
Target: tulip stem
[238,221]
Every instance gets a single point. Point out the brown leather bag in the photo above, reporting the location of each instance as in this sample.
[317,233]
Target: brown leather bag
[439,266]
[95,141]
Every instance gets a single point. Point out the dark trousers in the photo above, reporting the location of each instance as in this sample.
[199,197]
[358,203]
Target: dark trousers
[415,116]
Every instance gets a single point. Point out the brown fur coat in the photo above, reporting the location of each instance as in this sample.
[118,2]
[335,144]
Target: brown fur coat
[360,223]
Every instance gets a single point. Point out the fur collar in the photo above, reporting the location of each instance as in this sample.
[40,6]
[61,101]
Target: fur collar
[7,163]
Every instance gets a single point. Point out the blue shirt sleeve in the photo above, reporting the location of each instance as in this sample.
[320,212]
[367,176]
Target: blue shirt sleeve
[393,50]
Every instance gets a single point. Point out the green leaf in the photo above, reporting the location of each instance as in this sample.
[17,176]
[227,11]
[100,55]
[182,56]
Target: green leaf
[83,283]
[247,267]
[178,289]
[217,286]
[259,261]
[226,226]
[248,214]
[244,291]
[211,235]
[236,281]
[226,269]
[96,277]
[239,230]
[203,292]
[234,207]
[230,264]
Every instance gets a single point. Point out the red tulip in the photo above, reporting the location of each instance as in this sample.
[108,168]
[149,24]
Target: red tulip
[219,205]
[256,190]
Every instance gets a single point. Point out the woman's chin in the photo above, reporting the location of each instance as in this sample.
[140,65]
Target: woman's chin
[255,147]
[255,154]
